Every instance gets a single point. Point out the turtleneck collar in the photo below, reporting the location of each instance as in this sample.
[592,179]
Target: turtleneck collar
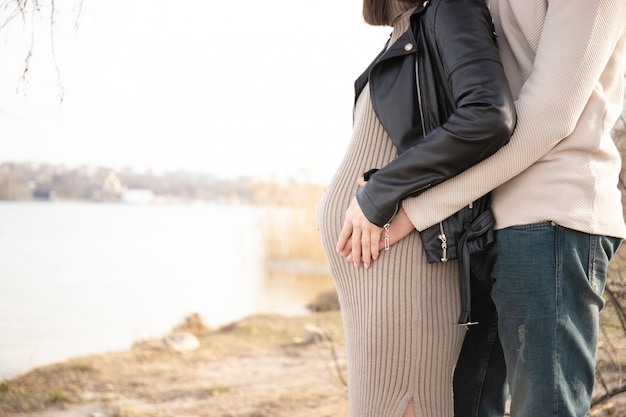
[395,10]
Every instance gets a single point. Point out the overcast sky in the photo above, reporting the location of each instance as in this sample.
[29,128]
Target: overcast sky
[233,88]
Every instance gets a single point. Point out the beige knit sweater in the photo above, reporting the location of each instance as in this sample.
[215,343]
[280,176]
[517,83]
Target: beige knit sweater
[565,64]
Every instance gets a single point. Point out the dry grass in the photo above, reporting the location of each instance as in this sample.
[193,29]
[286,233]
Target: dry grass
[290,224]
[610,388]
[262,366]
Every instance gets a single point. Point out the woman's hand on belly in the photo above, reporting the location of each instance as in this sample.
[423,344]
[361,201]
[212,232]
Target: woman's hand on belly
[399,228]
[354,249]
[359,237]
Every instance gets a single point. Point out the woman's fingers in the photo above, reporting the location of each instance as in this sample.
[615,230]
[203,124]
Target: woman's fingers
[356,247]
[358,237]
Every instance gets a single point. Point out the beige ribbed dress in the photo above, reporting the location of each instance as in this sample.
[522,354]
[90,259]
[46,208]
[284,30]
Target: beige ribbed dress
[400,315]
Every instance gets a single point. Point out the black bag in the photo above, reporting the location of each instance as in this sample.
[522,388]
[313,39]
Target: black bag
[467,231]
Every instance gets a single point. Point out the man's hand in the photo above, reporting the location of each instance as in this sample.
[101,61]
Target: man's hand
[399,228]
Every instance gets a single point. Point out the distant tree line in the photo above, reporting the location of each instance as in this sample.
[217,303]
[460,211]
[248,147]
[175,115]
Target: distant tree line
[28,181]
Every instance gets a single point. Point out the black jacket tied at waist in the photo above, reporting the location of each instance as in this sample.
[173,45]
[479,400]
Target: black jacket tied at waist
[468,231]
[441,94]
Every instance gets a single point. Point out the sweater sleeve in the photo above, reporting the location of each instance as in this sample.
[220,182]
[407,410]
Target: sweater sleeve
[576,42]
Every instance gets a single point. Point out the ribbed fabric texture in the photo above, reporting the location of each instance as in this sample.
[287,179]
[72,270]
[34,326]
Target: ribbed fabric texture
[400,315]
[574,92]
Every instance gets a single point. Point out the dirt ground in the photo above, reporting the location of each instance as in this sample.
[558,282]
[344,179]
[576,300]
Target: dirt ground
[262,366]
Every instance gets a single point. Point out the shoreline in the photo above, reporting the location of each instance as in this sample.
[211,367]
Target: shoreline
[262,365]
[324,301]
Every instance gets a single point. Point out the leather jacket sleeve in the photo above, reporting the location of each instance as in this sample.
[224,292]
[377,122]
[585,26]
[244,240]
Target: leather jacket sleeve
[481,121]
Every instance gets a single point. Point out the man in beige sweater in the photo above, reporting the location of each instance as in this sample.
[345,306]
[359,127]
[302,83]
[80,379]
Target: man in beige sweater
[557,206]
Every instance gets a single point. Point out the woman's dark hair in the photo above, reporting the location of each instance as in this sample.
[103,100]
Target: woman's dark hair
[375,11]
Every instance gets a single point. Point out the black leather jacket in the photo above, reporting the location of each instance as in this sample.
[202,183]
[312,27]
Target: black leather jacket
[462,102]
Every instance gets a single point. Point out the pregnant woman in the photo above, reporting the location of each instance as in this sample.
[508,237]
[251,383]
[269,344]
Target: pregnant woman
[400,312]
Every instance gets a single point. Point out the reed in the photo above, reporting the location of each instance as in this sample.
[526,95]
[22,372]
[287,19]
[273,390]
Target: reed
[289,223]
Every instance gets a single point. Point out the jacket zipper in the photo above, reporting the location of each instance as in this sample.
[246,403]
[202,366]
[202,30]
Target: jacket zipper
[442,233]
[386,226]
[444,243]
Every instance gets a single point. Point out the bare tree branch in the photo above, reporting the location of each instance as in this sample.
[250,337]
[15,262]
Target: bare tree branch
[23,80]
[60,88]
[598,401]
[13,8]
[619,308]
[79,12]
[30,10]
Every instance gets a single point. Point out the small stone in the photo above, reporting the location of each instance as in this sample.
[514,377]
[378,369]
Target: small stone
[181,342]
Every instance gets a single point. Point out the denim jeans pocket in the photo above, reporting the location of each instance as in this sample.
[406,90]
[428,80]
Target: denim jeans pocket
[601,251]
[525,259]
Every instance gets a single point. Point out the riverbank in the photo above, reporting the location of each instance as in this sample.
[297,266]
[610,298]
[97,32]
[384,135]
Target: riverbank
[261,366]
[264,365]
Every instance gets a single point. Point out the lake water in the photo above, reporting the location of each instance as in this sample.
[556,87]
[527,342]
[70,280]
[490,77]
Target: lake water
[82,278]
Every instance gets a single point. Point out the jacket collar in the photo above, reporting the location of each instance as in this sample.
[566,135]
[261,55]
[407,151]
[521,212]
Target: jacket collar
[406,44]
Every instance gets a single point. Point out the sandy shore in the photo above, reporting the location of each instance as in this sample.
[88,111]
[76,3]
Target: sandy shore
[264,365]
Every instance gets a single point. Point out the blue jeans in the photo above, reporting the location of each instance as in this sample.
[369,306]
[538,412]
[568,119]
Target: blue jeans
[547,291]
